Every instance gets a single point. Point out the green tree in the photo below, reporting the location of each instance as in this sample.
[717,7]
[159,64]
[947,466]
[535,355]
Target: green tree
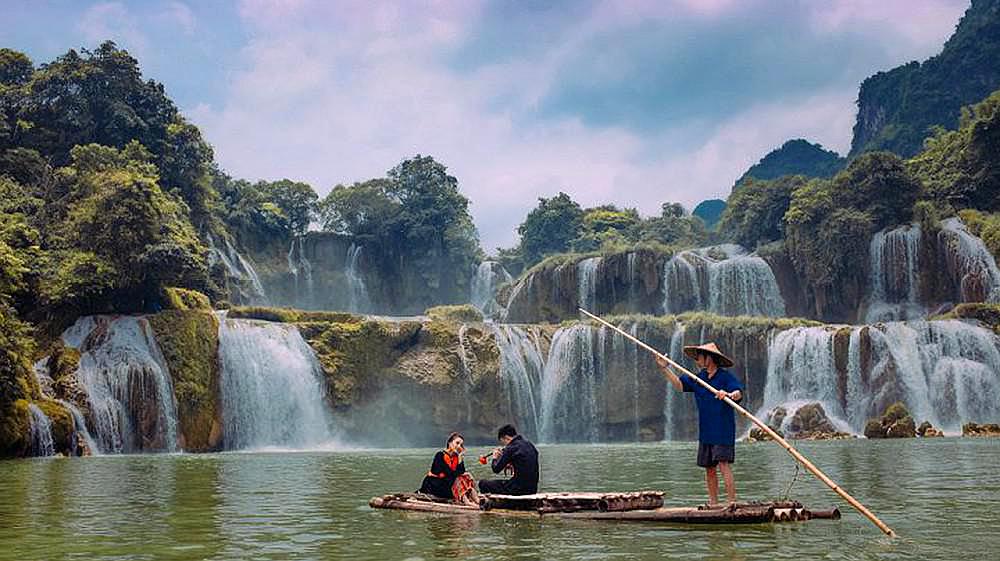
[755,212]
[296,200]
[126,234]
[961,167]
[364,209]
[550,227]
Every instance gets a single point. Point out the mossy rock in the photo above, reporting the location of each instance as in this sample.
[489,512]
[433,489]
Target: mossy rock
[15,425]
[63,426]
[63,361]
[905,427]
[873,429]
[174,298]
[189,341]
[895,412]
[291,315]
[984,429]
[988,314]
[459,313]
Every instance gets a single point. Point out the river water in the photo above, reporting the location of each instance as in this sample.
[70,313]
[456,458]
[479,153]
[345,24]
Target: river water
[940,495]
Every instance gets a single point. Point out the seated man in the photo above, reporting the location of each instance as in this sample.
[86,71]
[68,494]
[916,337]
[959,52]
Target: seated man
[518,454]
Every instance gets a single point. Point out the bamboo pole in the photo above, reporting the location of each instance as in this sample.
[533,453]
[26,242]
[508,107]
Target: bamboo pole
[774,435]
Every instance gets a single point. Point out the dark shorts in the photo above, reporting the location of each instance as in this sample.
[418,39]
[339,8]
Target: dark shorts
[709,455]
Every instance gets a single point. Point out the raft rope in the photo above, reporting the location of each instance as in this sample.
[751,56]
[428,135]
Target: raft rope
[792,482]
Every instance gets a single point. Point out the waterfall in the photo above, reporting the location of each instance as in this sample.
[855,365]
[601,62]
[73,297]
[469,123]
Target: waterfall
[569,409]
[357,291]
[127,383]
[489,276]
[945,372]
[237,267]
[894,263]
[681,284]
[297,263]
[801,369]
[586,275]
[80,427]
[271,387]
[674,400]
[41,433]
[725,277]
[521,369]
[969,263]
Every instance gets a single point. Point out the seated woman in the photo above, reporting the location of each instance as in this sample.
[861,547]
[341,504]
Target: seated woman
[447,478]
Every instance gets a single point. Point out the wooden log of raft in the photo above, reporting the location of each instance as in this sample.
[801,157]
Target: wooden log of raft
[402,503]
[828,514]
[740,513]
[573,502]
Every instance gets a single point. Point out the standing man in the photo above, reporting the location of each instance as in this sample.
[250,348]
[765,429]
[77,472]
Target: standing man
[518,454]
[716,419]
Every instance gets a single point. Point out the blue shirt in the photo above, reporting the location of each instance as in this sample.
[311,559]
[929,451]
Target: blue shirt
[716,419]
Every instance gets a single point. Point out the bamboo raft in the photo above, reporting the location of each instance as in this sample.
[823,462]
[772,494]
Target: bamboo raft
[637,506]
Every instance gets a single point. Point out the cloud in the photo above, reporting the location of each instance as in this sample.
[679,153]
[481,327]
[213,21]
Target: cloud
[341,92]
[112,20]
[179,14]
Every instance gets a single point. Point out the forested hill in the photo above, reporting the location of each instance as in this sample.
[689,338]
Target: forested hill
[795,157]
[898,108]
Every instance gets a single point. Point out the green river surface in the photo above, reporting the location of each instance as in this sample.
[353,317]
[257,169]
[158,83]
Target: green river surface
[941,495]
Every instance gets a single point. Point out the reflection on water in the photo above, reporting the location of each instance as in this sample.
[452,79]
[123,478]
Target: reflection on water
[935,493]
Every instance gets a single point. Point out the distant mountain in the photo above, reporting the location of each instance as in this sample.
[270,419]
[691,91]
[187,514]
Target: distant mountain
[795,157]
[896,109]
[710,212]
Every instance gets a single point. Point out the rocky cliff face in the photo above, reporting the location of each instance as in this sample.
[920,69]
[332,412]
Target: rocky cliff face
[323,271]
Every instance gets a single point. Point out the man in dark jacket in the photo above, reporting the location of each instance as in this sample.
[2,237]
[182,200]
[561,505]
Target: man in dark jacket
[522,457]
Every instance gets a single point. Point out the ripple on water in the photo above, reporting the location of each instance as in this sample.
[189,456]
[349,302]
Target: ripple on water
[935,493]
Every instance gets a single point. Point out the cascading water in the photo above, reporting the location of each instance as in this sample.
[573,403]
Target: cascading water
[521,368]
[237,267]
[674,401]
[801,369]
[298,264]
[945,372]
[80,427]
[893,262]
[731,281]
[586,274]
[41,433]
[681,284]
[357,291]
[969,263]
[569,409]
[128,386]
[489,275]
[271,386]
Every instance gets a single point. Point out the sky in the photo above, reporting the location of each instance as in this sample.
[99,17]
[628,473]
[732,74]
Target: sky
[633,103]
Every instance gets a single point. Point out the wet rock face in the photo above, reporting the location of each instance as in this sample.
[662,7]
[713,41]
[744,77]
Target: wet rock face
[926,430]
[808,422]
[622,283]
[976,429]
[896,422]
